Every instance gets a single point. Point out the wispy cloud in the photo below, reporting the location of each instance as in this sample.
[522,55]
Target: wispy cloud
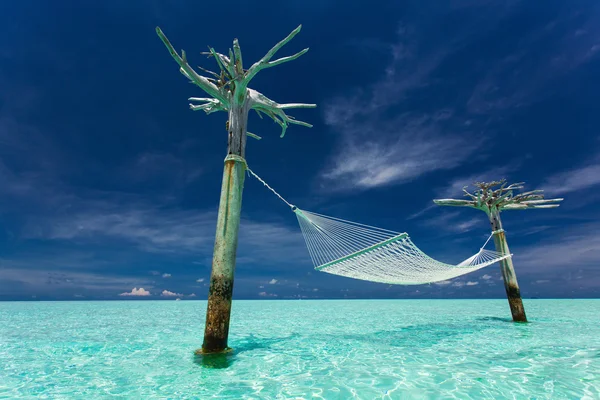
[136,292]
[581,178]
[149,227]
[376,149]
[522,76]
[165,275]
[386,139]
[454,222]
[568,257]
[267,294]
[55,279]
[167,293]
[406,149]
[156,230]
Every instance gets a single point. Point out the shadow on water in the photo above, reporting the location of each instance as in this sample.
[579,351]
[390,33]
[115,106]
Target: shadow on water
[494,319]
[409,337]
[214,361]
[226,359]
[413,336]
[427,335]
[504,321]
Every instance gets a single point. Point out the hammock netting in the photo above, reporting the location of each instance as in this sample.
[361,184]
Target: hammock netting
[358,251]
[365,252]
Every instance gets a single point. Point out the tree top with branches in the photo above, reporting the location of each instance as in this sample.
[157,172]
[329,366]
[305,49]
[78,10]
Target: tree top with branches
[498,196]
[229,87]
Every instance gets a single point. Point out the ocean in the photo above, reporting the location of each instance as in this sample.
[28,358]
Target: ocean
[329,349]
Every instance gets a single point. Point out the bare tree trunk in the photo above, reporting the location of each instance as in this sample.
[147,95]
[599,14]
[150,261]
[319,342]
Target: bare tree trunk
[508,272]
[223,266]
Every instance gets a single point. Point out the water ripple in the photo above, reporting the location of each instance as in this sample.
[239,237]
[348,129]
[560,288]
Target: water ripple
[298,350]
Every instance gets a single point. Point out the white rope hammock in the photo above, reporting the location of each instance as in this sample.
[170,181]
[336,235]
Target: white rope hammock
[358,251]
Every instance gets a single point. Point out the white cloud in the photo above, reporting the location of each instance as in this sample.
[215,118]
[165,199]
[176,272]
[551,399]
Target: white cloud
[200,280]
[272,281]
[136,292]
[454,221]
[573,248]
[372,154]
[486,277]
[574,180]
[192,295]
[566,257]
[165,275]
[58,271]
[167,293]
[443,283]
[471,283]
[168,232]
[458,284]
[380,145]
[521,77]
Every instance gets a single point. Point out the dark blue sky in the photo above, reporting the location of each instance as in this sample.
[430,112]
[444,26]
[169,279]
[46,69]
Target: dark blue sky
[108,182]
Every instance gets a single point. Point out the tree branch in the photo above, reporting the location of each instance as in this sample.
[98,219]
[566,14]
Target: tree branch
[261,103]
[455,203]
[473,197]
[546,201]
[224,62]
[210,106]
[239,68]
[200,81]
[264,62]
[524,206]
[514,186]
[283,60]
[500,199]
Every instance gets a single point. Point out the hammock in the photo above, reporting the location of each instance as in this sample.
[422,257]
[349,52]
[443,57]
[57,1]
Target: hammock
[358,251]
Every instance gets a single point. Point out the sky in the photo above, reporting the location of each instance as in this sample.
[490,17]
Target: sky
[109,183]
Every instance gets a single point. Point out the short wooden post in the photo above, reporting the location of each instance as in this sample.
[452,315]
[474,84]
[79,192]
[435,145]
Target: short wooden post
[513,293]
[493,201]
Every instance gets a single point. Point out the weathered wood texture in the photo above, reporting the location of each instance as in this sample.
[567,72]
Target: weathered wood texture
[220,290]
[513,293]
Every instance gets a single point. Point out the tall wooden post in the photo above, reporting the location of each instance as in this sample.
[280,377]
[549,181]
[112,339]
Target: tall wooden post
[229,92]
[513,293]
[493,201]
[226,238]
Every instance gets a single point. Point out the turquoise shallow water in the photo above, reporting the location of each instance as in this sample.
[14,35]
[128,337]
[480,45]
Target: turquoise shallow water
[376,349]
